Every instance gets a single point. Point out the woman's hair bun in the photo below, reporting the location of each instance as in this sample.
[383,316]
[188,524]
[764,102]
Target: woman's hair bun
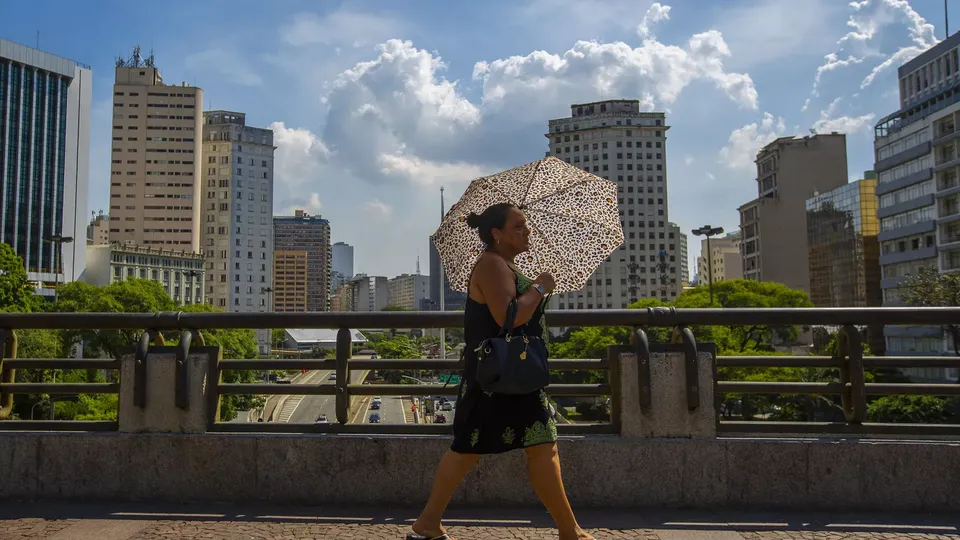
[474,220]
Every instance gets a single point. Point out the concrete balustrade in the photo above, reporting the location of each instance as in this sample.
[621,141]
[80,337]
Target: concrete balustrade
[667,455]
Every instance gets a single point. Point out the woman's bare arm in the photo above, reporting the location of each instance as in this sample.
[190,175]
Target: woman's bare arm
[497,284]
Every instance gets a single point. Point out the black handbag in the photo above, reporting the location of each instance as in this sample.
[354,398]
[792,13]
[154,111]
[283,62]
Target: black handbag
[512,362]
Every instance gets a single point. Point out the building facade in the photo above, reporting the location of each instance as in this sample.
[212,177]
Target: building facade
[773,229]
[341,264]
[682,253]
[44,161]
[844,253]
[362,293]
[303,232]
[181,273]
[408,291]
[98,231]
[290,273]
[616,141]
[237,210]
[917,160]
[726,261]
[155,168]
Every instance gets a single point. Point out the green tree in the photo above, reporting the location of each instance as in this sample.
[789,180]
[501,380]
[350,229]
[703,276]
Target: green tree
[396,308]
[16,293]
[909,409]
[930,288]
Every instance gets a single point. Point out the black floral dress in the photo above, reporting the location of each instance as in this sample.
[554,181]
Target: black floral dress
[487,423]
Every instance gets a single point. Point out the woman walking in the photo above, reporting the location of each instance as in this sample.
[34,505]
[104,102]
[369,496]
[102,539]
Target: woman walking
[491,423]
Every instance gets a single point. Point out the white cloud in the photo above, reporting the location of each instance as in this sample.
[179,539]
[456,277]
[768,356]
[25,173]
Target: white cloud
[425,172]
[343,27]
[300,163]
[688,160]
[829,123]
[591,68]
[228,64]
[830,63]
[656,13]
[744,142]
[382,209]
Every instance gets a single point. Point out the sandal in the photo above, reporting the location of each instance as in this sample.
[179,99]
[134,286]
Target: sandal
[415,536]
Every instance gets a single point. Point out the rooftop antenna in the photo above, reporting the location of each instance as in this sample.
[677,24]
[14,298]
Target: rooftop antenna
[418,262]
[38,40]
[946,20]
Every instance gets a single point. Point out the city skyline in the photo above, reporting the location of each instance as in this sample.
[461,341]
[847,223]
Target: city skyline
[396,110]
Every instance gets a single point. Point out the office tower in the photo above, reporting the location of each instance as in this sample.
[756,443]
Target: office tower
[616,141]
[303,232]
[237,235]
[367,293]
[341,265]
[773,229]
[917,160]
[290,275]
[408,291]
[98,231]
[842,229]
[681,249]
[155,171]
[726,261]
[44,161]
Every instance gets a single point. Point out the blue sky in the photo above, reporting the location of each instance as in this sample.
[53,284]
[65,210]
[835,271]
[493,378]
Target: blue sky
[375,105]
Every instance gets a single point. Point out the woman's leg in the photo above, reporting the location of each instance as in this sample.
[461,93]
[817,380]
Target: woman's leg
[453,467]
[543,466]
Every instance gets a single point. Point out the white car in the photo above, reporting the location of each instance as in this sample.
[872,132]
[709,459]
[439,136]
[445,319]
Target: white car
[377,399]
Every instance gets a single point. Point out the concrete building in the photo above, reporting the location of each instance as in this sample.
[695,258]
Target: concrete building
[408,291]
[341,264]
[918,165]
[362,293]
[453,300]
[290,275]
[44,161]
[616,141]
[682,250]
[155,171]
[844,254]
[179,272]
[237,235]
[303,232]
[773,229]
[726,263]
[98,231]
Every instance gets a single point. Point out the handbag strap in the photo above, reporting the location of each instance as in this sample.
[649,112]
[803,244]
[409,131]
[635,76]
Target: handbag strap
[510,318]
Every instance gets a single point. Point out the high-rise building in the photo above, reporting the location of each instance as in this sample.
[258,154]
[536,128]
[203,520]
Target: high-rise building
[179,272]
[844,254]
[155,172]
[773,226]
[681,249]
[613,139]
[362,293]
[917,159]
[237,235]
[290,274]
[452,300]
[725,259]
[408,291]
[98,231]
[341,265]
[303,232]
[44,161]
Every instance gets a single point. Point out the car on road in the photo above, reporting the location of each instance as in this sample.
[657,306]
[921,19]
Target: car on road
[375,405]
[446,406]
[322,419]
[440,419]
[333,376]
[373,356]
[374,418]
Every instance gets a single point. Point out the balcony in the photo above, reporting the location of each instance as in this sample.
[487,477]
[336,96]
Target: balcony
[666,441]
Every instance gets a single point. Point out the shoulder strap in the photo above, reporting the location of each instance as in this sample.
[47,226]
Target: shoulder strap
[510,318]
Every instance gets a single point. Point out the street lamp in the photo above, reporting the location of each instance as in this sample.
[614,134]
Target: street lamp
[709,231]
[58,240]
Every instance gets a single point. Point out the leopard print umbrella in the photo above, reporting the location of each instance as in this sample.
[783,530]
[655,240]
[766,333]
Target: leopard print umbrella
[573,218]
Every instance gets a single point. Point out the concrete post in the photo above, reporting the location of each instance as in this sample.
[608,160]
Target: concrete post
[668,416]
[161,414]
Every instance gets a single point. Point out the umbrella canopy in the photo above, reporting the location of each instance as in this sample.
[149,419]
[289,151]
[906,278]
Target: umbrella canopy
[573,218]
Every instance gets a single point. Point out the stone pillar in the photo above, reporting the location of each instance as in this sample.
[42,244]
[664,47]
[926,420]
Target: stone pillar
[668,414]
[161,414]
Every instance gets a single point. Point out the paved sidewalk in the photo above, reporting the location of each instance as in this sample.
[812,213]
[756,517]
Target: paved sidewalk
[109,521]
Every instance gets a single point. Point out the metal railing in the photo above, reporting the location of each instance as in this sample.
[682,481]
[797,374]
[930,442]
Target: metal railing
[849,361]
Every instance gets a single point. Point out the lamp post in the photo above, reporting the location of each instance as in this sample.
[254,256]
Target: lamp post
[57,240]
[709,231]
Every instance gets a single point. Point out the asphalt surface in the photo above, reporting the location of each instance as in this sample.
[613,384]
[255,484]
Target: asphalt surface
[311,407]
[391,410]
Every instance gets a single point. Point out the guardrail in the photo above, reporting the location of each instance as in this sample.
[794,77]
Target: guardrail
[851,386]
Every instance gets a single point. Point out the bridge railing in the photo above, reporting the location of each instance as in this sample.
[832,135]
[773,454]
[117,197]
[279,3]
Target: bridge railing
[631,383]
